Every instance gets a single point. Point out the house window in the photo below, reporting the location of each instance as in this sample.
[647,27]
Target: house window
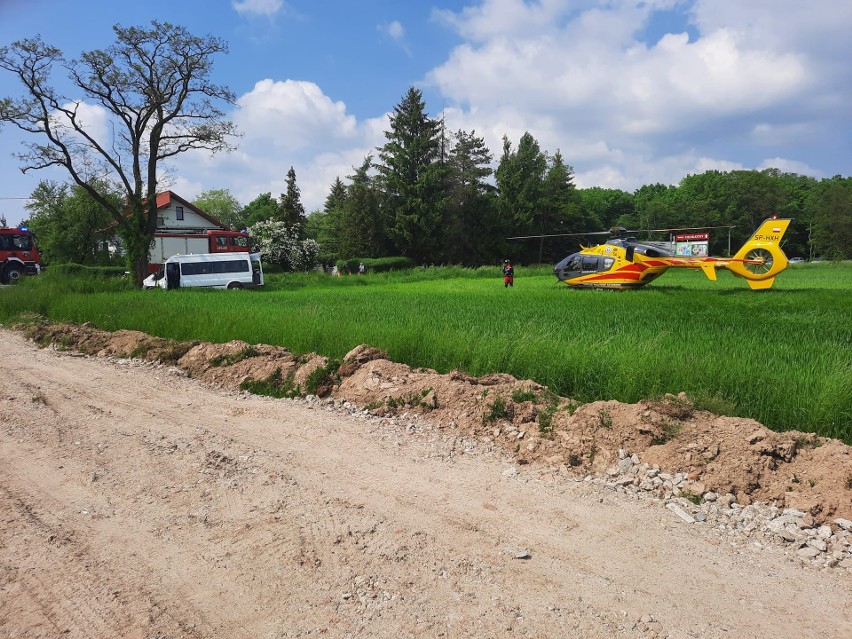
[161,221]
[179,212]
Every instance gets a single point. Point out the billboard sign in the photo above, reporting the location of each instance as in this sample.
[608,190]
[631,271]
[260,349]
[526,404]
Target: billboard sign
[692,244]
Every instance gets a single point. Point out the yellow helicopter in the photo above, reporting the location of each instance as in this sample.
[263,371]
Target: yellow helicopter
[623,263]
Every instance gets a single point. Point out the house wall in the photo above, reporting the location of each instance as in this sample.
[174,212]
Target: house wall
[167,218]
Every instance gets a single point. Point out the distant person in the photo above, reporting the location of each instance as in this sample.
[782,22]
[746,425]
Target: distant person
[508,274]
[362,269]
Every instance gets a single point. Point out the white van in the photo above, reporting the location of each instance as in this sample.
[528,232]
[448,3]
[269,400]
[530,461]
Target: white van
[212,270]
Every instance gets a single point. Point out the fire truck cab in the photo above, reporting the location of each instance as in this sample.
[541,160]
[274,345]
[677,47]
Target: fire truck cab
[19,255]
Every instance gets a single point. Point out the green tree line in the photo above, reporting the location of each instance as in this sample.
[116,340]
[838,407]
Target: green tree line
[431,195]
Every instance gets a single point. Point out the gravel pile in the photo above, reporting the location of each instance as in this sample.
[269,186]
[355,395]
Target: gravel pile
[796,532]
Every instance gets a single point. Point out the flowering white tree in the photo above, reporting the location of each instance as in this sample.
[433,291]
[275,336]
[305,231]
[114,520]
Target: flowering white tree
[279,243]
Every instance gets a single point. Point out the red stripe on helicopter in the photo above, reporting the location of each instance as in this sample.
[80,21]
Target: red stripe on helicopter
[620,275]
[633,268]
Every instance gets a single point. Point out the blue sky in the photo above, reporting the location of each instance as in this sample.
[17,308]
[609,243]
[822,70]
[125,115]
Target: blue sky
[631,92]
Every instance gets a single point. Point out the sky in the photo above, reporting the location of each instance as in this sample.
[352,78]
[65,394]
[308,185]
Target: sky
[630,92]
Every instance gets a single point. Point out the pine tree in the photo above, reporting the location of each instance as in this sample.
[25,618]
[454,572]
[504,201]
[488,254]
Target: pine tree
[336,196]
[290,208]
[520,182]
[412,177]
[473,231]
[362,229]
[559,211]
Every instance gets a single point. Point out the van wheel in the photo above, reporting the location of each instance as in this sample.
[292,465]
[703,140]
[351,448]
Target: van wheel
[234,285]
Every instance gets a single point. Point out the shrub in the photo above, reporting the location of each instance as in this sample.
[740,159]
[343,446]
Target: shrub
[233,358]
[273,386]
[496,410]
[520,395]
[87,271]
[322,378]
[670,431]
[280,244]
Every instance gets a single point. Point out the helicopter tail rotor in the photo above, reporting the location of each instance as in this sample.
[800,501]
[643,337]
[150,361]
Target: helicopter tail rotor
[761,258]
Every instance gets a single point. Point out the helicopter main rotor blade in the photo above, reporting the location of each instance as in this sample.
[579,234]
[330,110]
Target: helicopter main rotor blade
[619,231]
[529,237]
[682,228]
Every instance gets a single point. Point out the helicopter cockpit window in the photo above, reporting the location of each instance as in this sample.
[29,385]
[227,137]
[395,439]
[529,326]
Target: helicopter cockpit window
[590,263]
[607,263]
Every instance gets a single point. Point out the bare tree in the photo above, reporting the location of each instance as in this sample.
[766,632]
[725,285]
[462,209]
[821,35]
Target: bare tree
[153,87]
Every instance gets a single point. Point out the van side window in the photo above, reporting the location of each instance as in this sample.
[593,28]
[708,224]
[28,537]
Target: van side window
[195,268]
[205,268]
[235,266]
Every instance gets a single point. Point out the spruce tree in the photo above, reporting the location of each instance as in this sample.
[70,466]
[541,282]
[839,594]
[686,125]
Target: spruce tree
[473,231]
[520,182]
[290,208]
[412,178]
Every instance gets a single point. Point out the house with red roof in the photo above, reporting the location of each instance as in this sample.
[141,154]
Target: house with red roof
[176,215]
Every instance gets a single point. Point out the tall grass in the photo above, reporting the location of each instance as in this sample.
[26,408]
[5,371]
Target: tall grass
[783,356]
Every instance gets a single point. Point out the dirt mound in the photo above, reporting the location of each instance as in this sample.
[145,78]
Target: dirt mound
[715,454]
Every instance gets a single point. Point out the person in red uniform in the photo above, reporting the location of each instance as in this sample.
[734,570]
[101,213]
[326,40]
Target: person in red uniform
[508,274]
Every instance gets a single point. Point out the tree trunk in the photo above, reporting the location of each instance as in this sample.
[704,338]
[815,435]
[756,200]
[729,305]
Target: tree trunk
[140,270]
[136,250]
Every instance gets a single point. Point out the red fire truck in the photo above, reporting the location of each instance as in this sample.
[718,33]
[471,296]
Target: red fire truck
[19,255]
[180,242]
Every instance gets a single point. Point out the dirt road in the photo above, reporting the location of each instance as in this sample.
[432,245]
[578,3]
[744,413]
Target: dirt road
[137,503]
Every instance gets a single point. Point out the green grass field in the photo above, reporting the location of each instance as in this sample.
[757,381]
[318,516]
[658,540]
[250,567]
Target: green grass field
[783,356]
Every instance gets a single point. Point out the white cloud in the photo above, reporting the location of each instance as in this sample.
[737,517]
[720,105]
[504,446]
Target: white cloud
[778,24]
[293,115]
[493,19]
[572,73]
[92,118]
[285,123]
[626,103]
[396,32]
[576,74]
[704,164]
[257,7]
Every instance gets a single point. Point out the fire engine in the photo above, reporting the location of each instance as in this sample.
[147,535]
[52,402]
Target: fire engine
[179,242]
[19,255]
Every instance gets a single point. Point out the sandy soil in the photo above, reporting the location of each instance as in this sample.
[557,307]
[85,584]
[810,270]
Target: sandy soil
[136,502]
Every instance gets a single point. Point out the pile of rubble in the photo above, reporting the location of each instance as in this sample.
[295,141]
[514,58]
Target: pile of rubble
[821,545]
